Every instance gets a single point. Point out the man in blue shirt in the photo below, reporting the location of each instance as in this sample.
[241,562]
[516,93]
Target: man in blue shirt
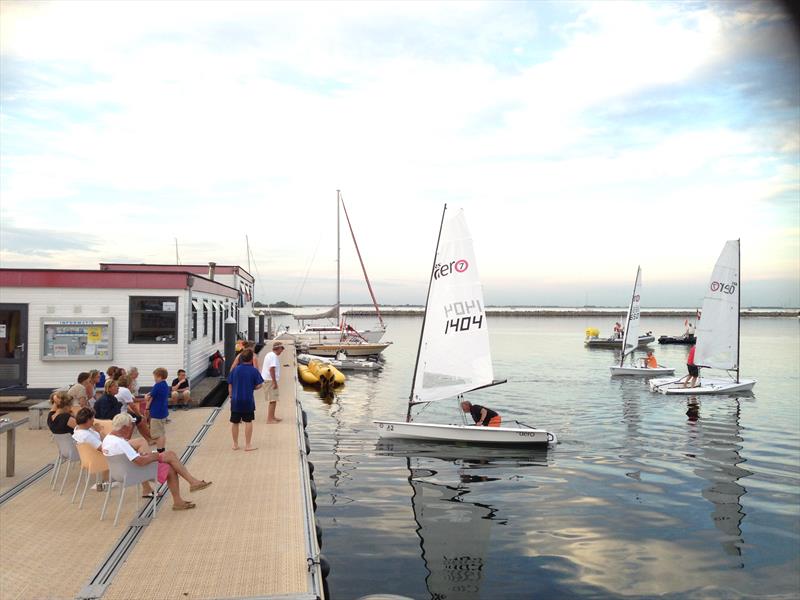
[158,405]
[242,382]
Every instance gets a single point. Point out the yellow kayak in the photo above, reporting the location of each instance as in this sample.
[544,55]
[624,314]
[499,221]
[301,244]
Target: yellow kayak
[316,370]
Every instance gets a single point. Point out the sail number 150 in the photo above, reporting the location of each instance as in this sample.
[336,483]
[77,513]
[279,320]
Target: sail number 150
[463,324]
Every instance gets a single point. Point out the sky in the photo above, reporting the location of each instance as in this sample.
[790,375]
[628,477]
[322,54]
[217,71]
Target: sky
[581,139]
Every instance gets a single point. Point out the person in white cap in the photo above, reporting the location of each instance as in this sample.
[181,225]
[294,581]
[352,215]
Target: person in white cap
[271,372]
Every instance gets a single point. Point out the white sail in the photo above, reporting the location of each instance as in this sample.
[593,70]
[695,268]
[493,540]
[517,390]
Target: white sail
[718,327]
[454,354]
[630,341]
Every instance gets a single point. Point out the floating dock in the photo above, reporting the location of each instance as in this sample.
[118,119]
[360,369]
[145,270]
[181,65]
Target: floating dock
[252,534]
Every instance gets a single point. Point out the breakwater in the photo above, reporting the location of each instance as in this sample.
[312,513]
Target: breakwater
[573,312]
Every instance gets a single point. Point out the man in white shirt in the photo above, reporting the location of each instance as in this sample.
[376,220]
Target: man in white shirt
[271,373]
[169,467]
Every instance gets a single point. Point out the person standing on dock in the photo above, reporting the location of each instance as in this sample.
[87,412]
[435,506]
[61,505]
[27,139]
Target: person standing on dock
[272,376]
[243,381]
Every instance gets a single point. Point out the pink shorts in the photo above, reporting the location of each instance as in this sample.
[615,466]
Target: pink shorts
[163,472]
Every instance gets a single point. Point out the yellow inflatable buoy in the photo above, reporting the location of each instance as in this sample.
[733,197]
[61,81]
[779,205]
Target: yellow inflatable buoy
[592,332]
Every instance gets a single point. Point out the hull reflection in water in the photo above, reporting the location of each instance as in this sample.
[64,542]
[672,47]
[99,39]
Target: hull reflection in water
[454,531]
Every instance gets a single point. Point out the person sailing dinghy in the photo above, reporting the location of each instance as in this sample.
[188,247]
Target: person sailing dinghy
[631,337]
[454,357]
[718,335]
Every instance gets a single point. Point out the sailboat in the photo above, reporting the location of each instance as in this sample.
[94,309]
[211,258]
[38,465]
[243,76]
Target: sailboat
[718,332]
[453,356]
[630,338]
[327,340]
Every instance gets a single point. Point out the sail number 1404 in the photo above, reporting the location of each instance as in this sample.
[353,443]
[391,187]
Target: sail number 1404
[461,316]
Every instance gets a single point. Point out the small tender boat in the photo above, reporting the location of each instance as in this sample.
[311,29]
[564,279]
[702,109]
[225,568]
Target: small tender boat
[343,363]
[350,348]
[718,334]
[616,343]
[454,356]
[317,371]
[631,333]
[686,339]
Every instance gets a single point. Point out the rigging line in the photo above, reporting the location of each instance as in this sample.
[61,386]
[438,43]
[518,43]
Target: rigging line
[302,284]
[361,260]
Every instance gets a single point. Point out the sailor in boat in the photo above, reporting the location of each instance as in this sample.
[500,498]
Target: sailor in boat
[650,362]
[691,380]
[481,415]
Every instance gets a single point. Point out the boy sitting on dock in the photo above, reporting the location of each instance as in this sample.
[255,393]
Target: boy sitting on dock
[242,382]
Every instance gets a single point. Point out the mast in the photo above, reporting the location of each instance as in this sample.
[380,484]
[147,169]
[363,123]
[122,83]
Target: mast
[247,241]
[177,258]
[739,308]
[363,268]
[424,318]
[628,319]
[338,261]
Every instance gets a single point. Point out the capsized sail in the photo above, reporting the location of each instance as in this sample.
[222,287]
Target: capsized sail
[718,327]
[630,340]
[454,354]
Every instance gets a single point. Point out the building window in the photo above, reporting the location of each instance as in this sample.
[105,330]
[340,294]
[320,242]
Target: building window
[205,319]
[153,320]
[221,324]
[194,321]
[214,323]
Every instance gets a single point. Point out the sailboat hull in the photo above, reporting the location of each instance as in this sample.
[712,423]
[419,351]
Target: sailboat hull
[706,385]
[632,371]
[465,433]
[350,348]
[644,340]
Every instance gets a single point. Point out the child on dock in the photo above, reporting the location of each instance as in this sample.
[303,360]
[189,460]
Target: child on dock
[158,405]
[242,382]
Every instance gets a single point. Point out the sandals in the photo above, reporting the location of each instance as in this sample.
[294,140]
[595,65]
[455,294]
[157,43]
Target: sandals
[152,495]
[184,506]
[200,486]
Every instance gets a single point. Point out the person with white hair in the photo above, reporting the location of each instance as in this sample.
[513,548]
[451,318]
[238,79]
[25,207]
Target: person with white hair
[169,466]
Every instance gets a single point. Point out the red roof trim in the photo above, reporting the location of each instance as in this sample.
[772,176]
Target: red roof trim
[75,278]
[196,269]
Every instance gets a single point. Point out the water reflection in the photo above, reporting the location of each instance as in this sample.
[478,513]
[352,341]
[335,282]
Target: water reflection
[720,441]
[453,526]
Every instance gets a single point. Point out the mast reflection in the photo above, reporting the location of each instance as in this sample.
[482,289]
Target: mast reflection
[719,441]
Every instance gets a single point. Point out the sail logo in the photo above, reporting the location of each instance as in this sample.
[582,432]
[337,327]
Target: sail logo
[459,266]
[636,298]
[725,288]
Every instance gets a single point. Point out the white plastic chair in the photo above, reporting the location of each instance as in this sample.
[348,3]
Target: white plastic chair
[67,453]
[121,469]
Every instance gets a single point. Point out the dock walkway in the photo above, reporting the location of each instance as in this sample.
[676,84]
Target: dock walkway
[251,535]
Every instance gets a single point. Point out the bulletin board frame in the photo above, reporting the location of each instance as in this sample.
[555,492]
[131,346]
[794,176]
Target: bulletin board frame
[77,339]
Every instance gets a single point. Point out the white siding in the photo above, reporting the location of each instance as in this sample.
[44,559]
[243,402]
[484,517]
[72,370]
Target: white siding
[76,303]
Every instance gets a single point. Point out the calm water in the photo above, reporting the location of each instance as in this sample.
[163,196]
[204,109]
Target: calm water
[645,495]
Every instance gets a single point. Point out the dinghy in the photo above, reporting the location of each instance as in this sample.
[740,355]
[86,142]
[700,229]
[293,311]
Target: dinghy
[343,363]
[631,333]
[454,357]
[718,334]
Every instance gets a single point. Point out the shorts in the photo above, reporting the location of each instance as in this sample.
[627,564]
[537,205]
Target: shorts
[693,370]
[272,395]
[163,472]
[494,421]
[158,428]
[238,417]
[182,395]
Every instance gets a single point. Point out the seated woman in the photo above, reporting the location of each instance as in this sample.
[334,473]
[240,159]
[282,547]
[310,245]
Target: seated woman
[107,406]
[60,419]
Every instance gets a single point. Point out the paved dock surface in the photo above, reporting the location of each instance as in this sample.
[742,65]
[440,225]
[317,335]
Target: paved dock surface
[246,538]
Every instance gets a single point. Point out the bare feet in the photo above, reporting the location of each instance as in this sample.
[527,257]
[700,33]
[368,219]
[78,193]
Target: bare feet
[275,420]
[234,447]
[250,449]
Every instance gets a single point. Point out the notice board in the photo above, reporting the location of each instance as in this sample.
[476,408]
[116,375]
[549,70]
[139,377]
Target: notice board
[77,339]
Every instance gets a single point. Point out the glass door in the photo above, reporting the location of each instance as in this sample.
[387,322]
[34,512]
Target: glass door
[13,345]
